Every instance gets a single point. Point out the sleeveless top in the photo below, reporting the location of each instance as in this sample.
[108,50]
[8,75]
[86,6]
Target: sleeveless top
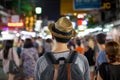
[109,71]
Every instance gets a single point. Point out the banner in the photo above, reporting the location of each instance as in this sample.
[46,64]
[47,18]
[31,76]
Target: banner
[86,4]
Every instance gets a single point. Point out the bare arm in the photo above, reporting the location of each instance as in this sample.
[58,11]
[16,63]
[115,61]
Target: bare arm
[99,77]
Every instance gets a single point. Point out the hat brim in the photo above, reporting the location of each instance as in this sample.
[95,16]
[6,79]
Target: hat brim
[60,34]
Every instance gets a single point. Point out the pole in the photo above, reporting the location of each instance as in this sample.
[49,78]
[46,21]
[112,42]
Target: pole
[5,3]
[19,1]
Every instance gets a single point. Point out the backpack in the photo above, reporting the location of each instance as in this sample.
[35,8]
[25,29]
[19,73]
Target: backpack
[61,69]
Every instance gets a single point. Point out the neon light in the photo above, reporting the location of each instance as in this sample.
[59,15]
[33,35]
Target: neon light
[19,24]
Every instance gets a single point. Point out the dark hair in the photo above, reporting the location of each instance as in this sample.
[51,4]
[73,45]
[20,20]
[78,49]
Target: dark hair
[112,49]
[78,42]
[62,40]
[101,38]
[48,40]
[7,45]
[28,43]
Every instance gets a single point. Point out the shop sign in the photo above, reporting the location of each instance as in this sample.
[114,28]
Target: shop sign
[86,4]
[106,5]
[18,24]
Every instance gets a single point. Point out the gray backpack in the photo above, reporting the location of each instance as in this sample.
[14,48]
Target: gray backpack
[61,69]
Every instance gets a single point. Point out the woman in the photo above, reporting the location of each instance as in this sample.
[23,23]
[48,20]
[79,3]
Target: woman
[89,53]
[29,57]
[110,70]
[6,54]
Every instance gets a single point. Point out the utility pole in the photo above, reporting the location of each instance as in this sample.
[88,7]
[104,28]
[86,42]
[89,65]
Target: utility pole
[5,3]
[19,6]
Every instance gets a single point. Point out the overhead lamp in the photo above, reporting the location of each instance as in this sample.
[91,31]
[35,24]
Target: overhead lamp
[38,10]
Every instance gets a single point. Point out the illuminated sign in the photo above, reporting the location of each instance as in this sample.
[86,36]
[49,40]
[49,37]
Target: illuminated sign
[86,4]
[106,5]
[79,22]
[18,24]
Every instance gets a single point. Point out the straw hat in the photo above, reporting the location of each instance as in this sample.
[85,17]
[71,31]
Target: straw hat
[62,28]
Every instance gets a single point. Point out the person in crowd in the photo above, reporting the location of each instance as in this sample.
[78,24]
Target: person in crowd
[111,69]
[20,46]
[62,31]
[29,56]
[96,51]
[101,38]
[89,53]
[35,44]
[91,43]
[48,45]
[79,48]
[40,49]
[6,54]
[71,44]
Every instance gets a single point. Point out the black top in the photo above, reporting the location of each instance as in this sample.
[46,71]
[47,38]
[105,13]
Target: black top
[90,56]
[109,71]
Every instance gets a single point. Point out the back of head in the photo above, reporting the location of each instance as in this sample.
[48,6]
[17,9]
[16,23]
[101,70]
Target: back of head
[78,42]
[7,45]
[101,38]
[28,43]
[62,30]
[113,51]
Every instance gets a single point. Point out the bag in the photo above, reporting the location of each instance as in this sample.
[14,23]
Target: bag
[13,68]
[104,71]
[3,76]
[61,69]
[20,74]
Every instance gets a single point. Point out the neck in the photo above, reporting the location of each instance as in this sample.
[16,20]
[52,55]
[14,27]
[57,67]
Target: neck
[102,47]
[60,47]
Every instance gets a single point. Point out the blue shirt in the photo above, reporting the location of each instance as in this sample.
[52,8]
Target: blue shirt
[101,57]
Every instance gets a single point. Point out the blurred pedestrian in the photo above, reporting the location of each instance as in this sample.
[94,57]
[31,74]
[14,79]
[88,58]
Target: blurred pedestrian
[6,54]
[40,43]
[110,70]
[101,38]
[29,57]
[62,31]
[48,45]
[79,48]
[89,53]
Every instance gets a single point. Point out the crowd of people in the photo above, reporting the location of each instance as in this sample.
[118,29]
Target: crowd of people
[98,58]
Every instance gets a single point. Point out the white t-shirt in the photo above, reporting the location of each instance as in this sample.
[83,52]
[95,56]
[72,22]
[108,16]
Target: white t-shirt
[5,62]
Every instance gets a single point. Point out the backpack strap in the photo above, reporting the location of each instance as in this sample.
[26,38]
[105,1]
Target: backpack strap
[50,58]
[55,72]
[72,57]
[69,71]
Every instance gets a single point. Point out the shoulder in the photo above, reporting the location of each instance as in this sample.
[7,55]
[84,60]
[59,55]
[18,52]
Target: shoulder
[34,50]
[103,67]
[42,63]
[82,62]
[81,57]
[41,59]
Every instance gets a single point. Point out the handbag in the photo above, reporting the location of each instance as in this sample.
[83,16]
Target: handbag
[13,68]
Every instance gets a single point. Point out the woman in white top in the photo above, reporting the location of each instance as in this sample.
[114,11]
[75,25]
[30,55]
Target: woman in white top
[6,56]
